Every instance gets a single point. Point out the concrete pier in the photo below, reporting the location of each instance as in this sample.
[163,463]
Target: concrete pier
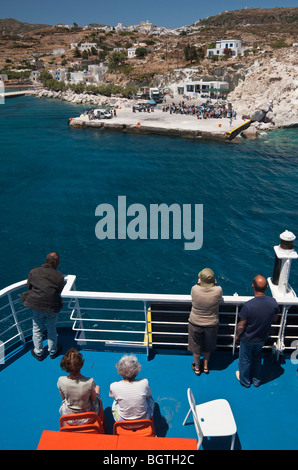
[162,123]
[13,94]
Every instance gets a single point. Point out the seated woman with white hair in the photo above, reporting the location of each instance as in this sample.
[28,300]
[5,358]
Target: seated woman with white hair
[132,397]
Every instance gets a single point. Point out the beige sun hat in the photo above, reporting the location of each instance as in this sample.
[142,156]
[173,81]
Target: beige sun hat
[206,277]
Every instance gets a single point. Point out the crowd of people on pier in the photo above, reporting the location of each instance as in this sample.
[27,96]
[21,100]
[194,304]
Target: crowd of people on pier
[143,107]
[204,111]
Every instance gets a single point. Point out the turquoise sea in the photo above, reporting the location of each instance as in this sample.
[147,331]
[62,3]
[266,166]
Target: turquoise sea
[53,177]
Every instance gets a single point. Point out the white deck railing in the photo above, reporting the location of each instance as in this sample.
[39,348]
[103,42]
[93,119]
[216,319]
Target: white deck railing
[130,325]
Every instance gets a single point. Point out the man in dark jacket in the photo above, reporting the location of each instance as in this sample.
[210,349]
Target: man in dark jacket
[45,286]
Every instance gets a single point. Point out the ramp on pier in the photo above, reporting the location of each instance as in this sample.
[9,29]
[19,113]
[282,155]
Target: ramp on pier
[234,132]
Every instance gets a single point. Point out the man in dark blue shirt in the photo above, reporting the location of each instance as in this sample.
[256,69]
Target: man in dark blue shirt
[256,317]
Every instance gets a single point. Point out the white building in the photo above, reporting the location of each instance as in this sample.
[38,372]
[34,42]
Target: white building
[194,89]
[94,75]
[34,76]
[131,52]
[133,27]
[80,77]
[58,51]
[84,46]
[98,71]
[235,45]
[119,28]
[146,26]
[59,74]
[87,46]
[62,25]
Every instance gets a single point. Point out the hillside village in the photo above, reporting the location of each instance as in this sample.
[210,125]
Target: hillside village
[214,57]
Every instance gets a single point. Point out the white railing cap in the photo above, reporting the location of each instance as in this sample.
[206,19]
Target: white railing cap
[70,279]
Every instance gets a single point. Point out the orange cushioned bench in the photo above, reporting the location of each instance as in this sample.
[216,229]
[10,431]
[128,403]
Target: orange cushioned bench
[55,440]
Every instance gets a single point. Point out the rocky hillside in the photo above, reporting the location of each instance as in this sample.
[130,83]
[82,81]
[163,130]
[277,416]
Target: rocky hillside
[253,16]
[10,26]
[266,29]
[268,80]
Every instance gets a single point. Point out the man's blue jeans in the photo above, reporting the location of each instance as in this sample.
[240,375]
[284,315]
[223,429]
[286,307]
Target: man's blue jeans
[40,319]
[250,363]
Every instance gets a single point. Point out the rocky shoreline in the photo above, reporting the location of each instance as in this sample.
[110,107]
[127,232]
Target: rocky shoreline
[83,98]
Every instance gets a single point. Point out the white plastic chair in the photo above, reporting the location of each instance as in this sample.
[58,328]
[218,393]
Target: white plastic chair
[212,419]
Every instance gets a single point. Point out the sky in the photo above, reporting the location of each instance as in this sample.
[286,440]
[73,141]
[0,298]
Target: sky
[169,13]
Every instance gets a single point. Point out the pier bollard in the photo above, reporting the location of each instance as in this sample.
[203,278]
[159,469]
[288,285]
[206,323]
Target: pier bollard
[284,254]
[279,286]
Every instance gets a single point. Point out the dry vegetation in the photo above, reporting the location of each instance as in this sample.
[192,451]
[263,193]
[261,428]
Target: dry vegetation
[268,30]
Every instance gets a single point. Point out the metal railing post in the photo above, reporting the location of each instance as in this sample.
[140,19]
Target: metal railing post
[235,328]
[146,328]
[20,332]
[78,309]
[279,346]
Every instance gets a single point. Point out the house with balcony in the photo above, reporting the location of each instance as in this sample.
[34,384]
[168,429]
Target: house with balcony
[234,45]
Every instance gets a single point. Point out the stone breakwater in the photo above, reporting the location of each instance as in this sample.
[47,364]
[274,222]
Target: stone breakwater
[82,98]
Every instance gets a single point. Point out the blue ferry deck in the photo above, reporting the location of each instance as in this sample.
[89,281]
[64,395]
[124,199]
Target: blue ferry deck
[266,417]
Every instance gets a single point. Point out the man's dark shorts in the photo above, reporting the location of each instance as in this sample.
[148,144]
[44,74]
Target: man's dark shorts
[202,338]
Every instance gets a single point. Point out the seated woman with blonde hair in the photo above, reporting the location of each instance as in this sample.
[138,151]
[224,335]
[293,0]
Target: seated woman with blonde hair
[132,397]
[79,394]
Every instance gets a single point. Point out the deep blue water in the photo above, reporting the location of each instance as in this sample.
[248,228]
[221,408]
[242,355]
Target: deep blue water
[53,177]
